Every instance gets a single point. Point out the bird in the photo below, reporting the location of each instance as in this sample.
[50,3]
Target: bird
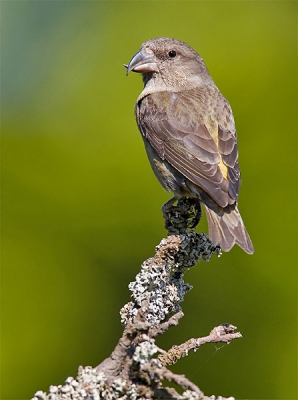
[189,134]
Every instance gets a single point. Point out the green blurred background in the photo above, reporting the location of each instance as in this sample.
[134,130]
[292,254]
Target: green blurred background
[81,207]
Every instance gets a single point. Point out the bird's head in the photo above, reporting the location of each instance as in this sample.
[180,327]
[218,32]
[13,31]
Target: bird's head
[170,62]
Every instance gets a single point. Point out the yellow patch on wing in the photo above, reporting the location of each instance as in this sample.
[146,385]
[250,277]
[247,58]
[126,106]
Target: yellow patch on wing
[224,169]
[212,127]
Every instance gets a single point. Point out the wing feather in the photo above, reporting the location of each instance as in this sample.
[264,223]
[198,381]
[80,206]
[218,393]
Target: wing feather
[194,131]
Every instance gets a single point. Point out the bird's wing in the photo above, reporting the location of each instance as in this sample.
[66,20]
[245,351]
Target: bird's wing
[194,131]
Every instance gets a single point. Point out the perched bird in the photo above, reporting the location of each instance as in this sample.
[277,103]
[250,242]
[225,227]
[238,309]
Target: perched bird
[189,134]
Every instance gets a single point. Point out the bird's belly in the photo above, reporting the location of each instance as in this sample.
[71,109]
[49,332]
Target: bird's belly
[169,177]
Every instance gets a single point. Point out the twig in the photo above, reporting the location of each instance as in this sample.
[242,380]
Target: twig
[222,333]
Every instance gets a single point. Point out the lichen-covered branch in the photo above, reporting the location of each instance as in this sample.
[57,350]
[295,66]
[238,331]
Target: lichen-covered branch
[136,368]
[223,333]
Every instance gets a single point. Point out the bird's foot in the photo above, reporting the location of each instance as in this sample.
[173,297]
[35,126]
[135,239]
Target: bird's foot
[185,215]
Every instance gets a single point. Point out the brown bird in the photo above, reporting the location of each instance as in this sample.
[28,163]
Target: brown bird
[189,134]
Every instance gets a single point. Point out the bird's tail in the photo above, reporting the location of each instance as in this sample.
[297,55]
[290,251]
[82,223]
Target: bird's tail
[228,230]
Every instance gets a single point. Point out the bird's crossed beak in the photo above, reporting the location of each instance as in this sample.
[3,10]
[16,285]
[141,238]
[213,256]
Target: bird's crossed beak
[143,62]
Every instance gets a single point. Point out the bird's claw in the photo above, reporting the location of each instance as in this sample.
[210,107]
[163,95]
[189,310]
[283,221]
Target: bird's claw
[185,215]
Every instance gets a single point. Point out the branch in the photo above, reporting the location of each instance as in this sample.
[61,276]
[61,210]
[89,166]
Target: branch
[133,371]
[222,333]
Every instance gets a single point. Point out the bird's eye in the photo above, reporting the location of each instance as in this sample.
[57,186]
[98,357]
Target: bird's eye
[172,53]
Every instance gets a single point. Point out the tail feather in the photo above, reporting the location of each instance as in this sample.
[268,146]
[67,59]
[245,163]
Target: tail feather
[228,230]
